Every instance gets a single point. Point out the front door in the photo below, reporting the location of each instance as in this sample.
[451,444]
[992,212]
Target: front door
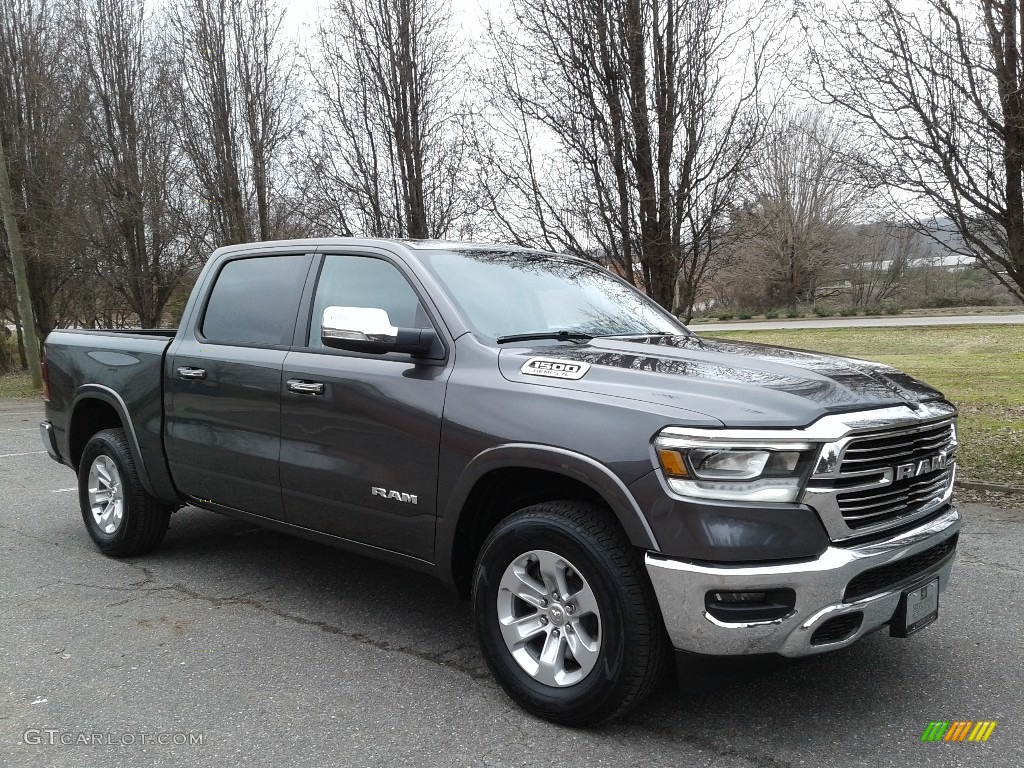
[360,433]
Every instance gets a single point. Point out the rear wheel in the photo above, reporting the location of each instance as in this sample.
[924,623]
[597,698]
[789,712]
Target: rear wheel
[566,617]
[121,517]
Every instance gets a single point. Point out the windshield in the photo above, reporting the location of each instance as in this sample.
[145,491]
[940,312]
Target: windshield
[507,293]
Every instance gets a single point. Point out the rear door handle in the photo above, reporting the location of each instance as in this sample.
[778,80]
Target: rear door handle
[305,387]
[186,372]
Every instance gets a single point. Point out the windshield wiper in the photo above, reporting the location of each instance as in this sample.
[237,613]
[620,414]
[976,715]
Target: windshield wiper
[556,335]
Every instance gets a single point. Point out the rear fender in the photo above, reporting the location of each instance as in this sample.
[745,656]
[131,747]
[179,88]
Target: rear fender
[157,483]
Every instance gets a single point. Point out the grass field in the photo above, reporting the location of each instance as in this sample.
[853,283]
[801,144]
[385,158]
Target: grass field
[980,368]
[17,385]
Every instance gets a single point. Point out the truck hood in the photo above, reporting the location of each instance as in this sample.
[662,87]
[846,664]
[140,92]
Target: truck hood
[740,384]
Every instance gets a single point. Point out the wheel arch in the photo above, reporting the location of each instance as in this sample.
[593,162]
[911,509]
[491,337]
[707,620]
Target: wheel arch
[94,409]
[504,479]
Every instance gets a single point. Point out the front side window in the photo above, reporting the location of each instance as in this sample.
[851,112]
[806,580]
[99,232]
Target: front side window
[255,301]
[362,281]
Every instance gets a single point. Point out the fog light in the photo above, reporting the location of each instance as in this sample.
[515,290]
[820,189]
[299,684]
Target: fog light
[745,607]
[740,597]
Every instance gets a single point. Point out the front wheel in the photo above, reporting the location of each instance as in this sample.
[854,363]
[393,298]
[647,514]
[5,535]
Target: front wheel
[565,615]
[120,515]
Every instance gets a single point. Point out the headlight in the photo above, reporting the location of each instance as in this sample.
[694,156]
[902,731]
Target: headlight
[738,470]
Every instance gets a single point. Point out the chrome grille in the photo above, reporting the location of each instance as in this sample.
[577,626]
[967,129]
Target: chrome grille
[870,481]
[900,447]
[861,508]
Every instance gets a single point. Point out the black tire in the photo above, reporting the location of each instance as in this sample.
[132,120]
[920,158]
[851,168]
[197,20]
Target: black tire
[633,648]
[143,520]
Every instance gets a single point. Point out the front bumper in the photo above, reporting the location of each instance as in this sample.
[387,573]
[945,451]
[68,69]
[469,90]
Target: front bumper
[819,584]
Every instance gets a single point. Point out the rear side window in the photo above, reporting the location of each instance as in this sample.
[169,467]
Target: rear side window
[254,301]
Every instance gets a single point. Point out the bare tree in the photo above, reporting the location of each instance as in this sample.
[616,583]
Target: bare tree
[391,136]
[268,84]
[20,275]
[940,86]
[619,130]
[135,158]
[875,259]
[41,112]
[236,85]
[803,194]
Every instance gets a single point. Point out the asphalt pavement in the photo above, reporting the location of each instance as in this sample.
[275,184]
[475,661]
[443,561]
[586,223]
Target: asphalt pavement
[893,321]
[236,646]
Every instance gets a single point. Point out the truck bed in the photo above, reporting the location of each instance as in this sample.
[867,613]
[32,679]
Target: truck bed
[123,368]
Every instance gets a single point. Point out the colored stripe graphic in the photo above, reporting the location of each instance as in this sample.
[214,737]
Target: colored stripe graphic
[935,731]
[958,730]
[982,730]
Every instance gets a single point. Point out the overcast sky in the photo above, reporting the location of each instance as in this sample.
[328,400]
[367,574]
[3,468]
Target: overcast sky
[466,14]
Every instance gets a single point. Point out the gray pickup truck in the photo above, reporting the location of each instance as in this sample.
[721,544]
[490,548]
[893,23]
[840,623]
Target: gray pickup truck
[602,483]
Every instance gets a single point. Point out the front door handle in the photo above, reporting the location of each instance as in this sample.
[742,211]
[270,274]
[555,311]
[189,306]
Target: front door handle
[187,372]
[305,387]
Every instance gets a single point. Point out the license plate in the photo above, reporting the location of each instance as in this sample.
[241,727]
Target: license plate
[918,608]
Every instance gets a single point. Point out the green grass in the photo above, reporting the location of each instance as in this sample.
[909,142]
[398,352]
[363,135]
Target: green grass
[978,367]
[17,385]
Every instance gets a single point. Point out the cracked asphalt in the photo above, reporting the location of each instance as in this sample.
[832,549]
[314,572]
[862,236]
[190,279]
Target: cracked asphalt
[274,651]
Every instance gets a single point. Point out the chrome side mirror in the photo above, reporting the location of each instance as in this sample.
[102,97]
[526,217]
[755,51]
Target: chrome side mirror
[369,329]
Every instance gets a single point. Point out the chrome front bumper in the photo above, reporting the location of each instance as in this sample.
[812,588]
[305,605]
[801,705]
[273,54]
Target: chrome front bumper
[819,585]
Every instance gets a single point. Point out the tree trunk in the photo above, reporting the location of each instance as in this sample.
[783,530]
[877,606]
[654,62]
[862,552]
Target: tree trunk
[21,344]
[21,286]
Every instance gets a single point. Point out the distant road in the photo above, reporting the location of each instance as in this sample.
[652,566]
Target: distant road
[862,322]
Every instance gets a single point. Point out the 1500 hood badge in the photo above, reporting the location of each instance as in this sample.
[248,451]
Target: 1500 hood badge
[555,369]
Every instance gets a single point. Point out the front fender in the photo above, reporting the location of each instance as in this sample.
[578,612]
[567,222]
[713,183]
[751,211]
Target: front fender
[574,465]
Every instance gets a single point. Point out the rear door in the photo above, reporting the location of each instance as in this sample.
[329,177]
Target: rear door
[223,418]
[361,433]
